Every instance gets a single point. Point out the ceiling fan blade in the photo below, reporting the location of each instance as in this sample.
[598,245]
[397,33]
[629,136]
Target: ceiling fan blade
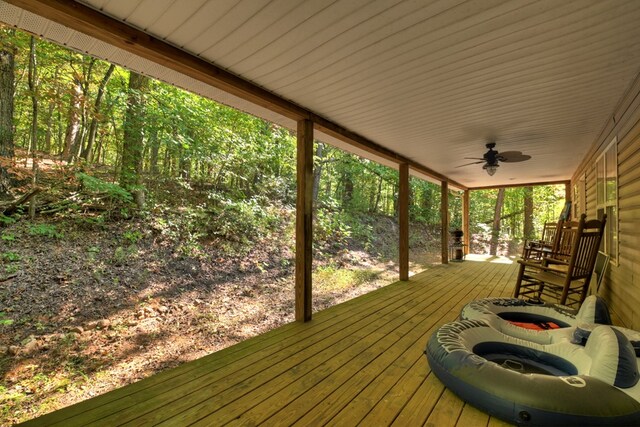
[513,156]
[473,158]
[472,163]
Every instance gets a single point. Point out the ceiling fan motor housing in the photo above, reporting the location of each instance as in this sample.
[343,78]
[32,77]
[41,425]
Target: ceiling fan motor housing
[491,156]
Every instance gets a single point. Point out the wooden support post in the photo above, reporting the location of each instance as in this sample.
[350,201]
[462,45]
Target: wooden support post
[403,221]
[444,219]
[466,237]
[567,196]
[304,234]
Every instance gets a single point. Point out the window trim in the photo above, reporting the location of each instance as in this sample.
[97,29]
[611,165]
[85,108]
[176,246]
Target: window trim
[609,203]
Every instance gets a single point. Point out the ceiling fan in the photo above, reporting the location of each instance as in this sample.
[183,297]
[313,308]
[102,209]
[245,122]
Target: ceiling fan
[492,157]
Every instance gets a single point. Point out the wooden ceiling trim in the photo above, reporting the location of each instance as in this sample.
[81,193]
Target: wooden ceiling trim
[114,32]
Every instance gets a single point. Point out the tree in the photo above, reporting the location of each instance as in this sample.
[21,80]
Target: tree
[7,77]
[33,146]
[318,164]
[73,124]
[33,90]
[497,216]
[528,213]
[133,144]
[93,127]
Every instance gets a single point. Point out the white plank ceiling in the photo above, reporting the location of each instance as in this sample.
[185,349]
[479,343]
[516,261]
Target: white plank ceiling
[431,80]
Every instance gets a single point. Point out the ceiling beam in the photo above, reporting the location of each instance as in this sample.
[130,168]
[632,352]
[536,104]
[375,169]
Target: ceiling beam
[89,21]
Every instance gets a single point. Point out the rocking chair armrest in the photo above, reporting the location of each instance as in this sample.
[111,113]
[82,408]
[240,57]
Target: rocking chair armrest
[554,268]
[550,260]
[551,255]
[528,263]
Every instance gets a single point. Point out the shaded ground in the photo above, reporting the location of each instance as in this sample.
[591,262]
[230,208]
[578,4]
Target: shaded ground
[95,308]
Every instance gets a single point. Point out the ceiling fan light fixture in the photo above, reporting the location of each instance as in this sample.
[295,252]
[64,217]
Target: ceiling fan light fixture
[491,169]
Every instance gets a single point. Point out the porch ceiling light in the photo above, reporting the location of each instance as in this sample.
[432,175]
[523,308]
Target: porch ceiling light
[491,169]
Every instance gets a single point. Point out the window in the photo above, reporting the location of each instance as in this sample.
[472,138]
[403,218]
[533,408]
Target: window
[580,197]
[607,197]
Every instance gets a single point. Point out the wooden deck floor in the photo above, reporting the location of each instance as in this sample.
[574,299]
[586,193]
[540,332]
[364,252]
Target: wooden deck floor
[358,363]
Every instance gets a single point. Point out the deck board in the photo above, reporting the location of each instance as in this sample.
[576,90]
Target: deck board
[358,363]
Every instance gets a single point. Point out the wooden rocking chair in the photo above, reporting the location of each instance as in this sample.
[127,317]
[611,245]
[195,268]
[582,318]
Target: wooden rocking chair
[564,274]
[533,249]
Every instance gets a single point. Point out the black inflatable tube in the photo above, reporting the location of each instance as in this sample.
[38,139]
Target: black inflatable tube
[532,399]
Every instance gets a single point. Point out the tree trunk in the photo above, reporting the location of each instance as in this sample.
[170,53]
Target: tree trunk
[154,152]
[347,194]
[377,201]
[7,76]
[73,124]
[130,174]
[317,170]
[495,231]
[528,213]
[50,116]
[47,136]
[184,161]
[87,77]
[33,89]
[93,127]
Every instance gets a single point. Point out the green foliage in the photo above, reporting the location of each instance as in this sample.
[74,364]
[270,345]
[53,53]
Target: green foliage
[235,173]
[8,237]
[424,205]
[121,255]
[92,252]
[132,237]
[6,220]
[11,256]
[547,205]
[331,228]
[242,221]
[11,268]
[5,321]
[96,185]
[45,230]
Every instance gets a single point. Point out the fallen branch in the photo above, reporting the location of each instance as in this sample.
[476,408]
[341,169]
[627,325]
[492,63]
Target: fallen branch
[13,206]
[9,277]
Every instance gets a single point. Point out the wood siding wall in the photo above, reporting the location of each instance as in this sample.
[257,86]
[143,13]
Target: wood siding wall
[621,287]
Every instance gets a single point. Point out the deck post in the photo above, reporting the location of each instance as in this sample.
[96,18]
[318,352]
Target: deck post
[403,220]
[444,220]
[567,195]
[304,234]
[465,221]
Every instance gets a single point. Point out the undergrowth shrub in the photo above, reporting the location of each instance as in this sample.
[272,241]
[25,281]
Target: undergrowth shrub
[44,230]
[235,226]
[331,229]
[243,221]
[96,186]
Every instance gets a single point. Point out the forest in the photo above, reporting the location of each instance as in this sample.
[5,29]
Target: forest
[142,225]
